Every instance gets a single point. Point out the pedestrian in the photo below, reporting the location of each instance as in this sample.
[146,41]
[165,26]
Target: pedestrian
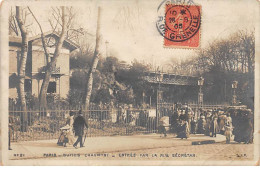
[189,118]
[10,131]
[132,118]
[163,125]
[124,115]
[247,126]
[182,116]
[183,131]
[236,122]
[70,134]
[67,135]
[193,125]
[228,128]
[222,123]
[208,122]
[214,126]
[242,127]
[250,131]
[201,125]
[174,121]
[79,125]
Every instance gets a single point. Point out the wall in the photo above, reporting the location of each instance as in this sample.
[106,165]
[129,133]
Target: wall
[39,61]
[63,63]
[13,78]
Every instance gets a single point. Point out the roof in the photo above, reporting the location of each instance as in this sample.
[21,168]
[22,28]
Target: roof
[72,45]
[15,40]
[171,74]
[18,40]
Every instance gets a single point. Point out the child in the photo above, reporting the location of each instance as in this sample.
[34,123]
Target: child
[63,139]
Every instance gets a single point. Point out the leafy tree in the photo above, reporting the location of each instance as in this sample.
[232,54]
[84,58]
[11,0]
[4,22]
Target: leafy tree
[110,65]
[103,96]
[134,78]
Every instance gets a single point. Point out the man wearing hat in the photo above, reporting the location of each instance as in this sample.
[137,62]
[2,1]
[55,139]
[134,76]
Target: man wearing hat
[79,124]
[201,124]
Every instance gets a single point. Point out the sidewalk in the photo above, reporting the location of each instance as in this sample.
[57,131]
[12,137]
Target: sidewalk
[37,149]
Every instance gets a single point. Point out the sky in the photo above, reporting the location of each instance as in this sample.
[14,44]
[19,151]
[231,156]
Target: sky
[130,26]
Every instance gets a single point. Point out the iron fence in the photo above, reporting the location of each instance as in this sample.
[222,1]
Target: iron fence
[42,124]
[207,106]
[37,124]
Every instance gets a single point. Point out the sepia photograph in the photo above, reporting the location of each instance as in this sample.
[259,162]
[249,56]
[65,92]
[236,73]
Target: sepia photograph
[137,82]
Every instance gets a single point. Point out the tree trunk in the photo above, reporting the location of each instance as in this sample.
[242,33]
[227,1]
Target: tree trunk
[22,64]
[42,37]
[51,65]
[88,89]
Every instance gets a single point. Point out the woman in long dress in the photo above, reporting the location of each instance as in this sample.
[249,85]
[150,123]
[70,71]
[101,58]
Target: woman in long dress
[207,127]
[201,125]
[183,131]
[70,134]
[228,128]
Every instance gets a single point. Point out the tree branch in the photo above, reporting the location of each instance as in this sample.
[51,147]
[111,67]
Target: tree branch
[42,37]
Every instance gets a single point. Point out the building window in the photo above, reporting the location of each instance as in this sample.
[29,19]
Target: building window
[27,85]
[52,87]
[50,57]
[18,55]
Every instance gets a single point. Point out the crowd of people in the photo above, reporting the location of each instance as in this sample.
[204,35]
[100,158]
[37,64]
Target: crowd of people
[237,122]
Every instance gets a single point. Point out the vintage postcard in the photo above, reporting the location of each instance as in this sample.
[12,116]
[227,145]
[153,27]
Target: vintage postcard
[136,82]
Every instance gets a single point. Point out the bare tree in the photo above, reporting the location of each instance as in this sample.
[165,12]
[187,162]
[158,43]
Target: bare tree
[248,49]
[21,73]
[234,54]
[62,18]
[42,35]
[13,27]
[88,89]
[51,65]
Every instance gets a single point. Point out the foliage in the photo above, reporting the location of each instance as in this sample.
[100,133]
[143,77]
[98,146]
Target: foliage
[31,100]
[74,97]
[133,78]
[110,64]
[225,61]
[82,59]
[125,96]
[103,96]
[220,63]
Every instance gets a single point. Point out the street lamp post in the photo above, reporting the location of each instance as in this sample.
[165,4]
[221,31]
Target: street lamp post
[159,79]
[234,87]
[200,95]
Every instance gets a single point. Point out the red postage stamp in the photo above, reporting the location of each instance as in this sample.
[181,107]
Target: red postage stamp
[182,26]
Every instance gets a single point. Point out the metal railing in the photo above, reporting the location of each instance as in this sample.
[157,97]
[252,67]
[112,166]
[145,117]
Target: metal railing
[42,125]
[207,106]
[55,70]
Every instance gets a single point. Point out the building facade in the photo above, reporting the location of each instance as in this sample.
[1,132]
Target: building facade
[36,65]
